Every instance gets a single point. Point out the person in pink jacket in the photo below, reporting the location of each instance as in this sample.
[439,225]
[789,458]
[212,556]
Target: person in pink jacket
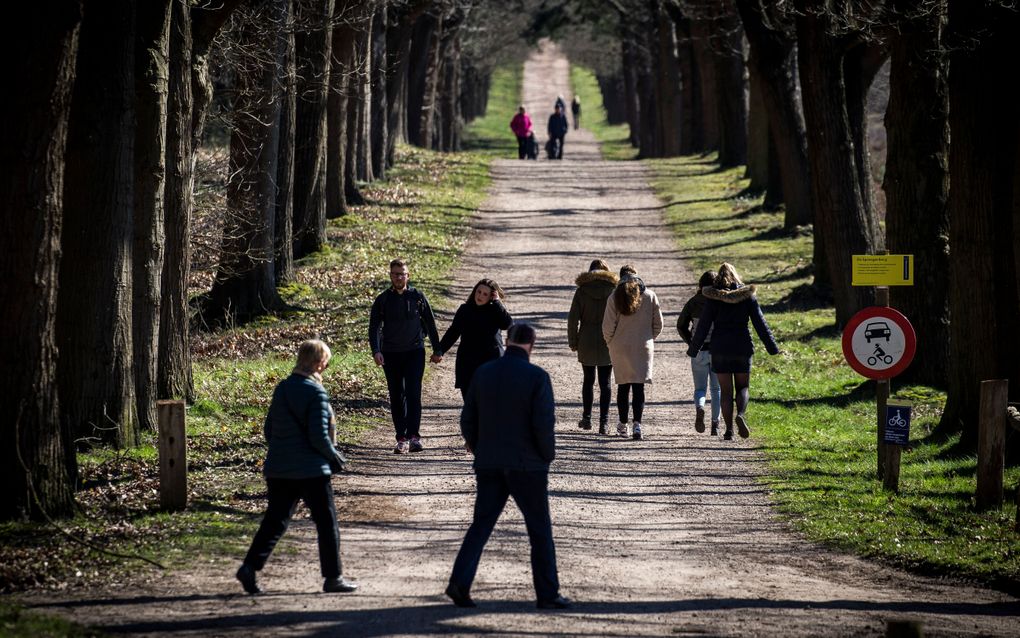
[521,126]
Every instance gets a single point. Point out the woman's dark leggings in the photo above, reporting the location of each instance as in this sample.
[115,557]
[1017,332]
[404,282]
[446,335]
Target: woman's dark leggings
[623,395]
[728,382]
[605,391]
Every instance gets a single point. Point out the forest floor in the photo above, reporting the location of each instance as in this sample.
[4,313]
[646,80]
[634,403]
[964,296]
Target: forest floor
[672,535]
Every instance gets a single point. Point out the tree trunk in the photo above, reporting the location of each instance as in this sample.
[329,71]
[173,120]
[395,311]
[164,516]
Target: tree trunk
[430,88]
[449,105]
[340,78]
[758,150]
[773,54]
[379,118]
[730,86]
[630,73]
[706,111]
[843,222]
[398,52]
[283,254]
[917,186]
[151,78]
[984,300]
[37,460]
[191,34]
[690,132]
[174,380]
[417,70]
[94,305]
[667,65]
[363,160]
[245,284]
[312,51]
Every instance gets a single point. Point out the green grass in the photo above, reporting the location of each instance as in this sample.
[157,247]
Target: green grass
[814,418]
[615,138]
[16,622]
[420,213]
[490,134]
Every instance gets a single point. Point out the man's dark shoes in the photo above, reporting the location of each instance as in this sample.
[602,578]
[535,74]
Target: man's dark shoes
[560,602]
[459,597]
[338,585]
[246,575]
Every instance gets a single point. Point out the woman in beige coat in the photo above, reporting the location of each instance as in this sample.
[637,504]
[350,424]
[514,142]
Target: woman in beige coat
[632,321]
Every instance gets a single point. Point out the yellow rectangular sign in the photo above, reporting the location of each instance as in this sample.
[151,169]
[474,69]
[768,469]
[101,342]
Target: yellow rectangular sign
[883,270]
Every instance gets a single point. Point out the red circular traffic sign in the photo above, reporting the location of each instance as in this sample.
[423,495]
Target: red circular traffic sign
[879,342]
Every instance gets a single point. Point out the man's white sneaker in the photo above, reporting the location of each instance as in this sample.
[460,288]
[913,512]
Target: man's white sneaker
[621,430]
[401,447]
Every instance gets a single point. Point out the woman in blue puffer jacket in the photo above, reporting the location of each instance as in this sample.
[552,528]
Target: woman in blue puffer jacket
[302,457]
[730,305]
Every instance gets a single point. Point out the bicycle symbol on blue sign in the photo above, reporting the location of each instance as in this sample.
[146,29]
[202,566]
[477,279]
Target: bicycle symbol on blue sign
[897,430]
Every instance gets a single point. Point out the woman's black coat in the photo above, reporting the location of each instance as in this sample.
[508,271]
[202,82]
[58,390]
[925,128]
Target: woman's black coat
[478,328]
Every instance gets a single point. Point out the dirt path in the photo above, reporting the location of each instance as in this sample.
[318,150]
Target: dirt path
[670,536]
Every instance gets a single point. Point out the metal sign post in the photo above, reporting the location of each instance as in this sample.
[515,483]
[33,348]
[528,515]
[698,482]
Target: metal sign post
[879,343]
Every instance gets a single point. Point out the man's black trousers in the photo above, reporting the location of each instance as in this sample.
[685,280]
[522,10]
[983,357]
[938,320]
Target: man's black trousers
[284,494]
[530,490]
[404,371]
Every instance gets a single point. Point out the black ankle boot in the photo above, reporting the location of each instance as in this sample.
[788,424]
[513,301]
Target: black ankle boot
[585,422]
[603,425]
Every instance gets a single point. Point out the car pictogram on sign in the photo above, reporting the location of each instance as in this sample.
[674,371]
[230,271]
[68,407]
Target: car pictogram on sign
[877,330]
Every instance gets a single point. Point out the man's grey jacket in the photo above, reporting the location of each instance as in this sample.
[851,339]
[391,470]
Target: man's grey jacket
[509,415]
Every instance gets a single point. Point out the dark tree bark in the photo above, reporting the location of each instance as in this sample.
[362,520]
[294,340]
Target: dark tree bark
[245,283]
[690,133]
[430,87]
[449,92]
[630,73]
[313,43]
[669,107]
[844,224]
[402,21]
[191,34]
[363,158]
[417,71]
[648,141]
[757,136]
[773,55]
[730,85]
[340,75]
[94,305]
[37,462]
[917,184]
[984,300]
[151,81]
[283,255]
[174,371]
[706,110]
[379,118]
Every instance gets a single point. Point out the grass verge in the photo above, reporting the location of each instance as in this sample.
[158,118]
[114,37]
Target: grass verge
[614,138]
[814,418]
[419,212]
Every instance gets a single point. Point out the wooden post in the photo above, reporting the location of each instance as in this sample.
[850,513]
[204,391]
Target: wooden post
[991,443]
[881,391]
[891,480]
[173,456]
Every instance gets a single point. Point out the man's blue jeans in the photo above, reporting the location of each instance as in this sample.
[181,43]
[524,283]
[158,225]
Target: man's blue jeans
[704,378]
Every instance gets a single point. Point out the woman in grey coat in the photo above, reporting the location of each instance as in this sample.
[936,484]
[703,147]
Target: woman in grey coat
[299,464]
[584,334]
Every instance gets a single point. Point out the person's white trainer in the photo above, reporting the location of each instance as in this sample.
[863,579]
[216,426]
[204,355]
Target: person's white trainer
[621,429]
[637,431]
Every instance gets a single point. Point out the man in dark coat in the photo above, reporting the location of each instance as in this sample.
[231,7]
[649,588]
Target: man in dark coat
[507,423]
[557,130]
[400,320]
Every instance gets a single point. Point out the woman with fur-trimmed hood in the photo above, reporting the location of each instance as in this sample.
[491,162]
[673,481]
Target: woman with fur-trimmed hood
[584,334]
[730,306]
[632,321]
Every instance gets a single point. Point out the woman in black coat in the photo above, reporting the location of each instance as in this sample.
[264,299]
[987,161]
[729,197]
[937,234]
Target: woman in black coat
[729,306]
[477,324]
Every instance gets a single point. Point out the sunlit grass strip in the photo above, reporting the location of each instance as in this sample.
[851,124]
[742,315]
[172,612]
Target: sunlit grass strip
[614,138]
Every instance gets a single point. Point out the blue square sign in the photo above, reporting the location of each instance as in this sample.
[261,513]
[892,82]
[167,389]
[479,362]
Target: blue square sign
[897,423]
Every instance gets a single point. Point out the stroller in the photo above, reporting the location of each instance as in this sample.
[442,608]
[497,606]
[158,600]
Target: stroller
[532,150]
[552,149]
